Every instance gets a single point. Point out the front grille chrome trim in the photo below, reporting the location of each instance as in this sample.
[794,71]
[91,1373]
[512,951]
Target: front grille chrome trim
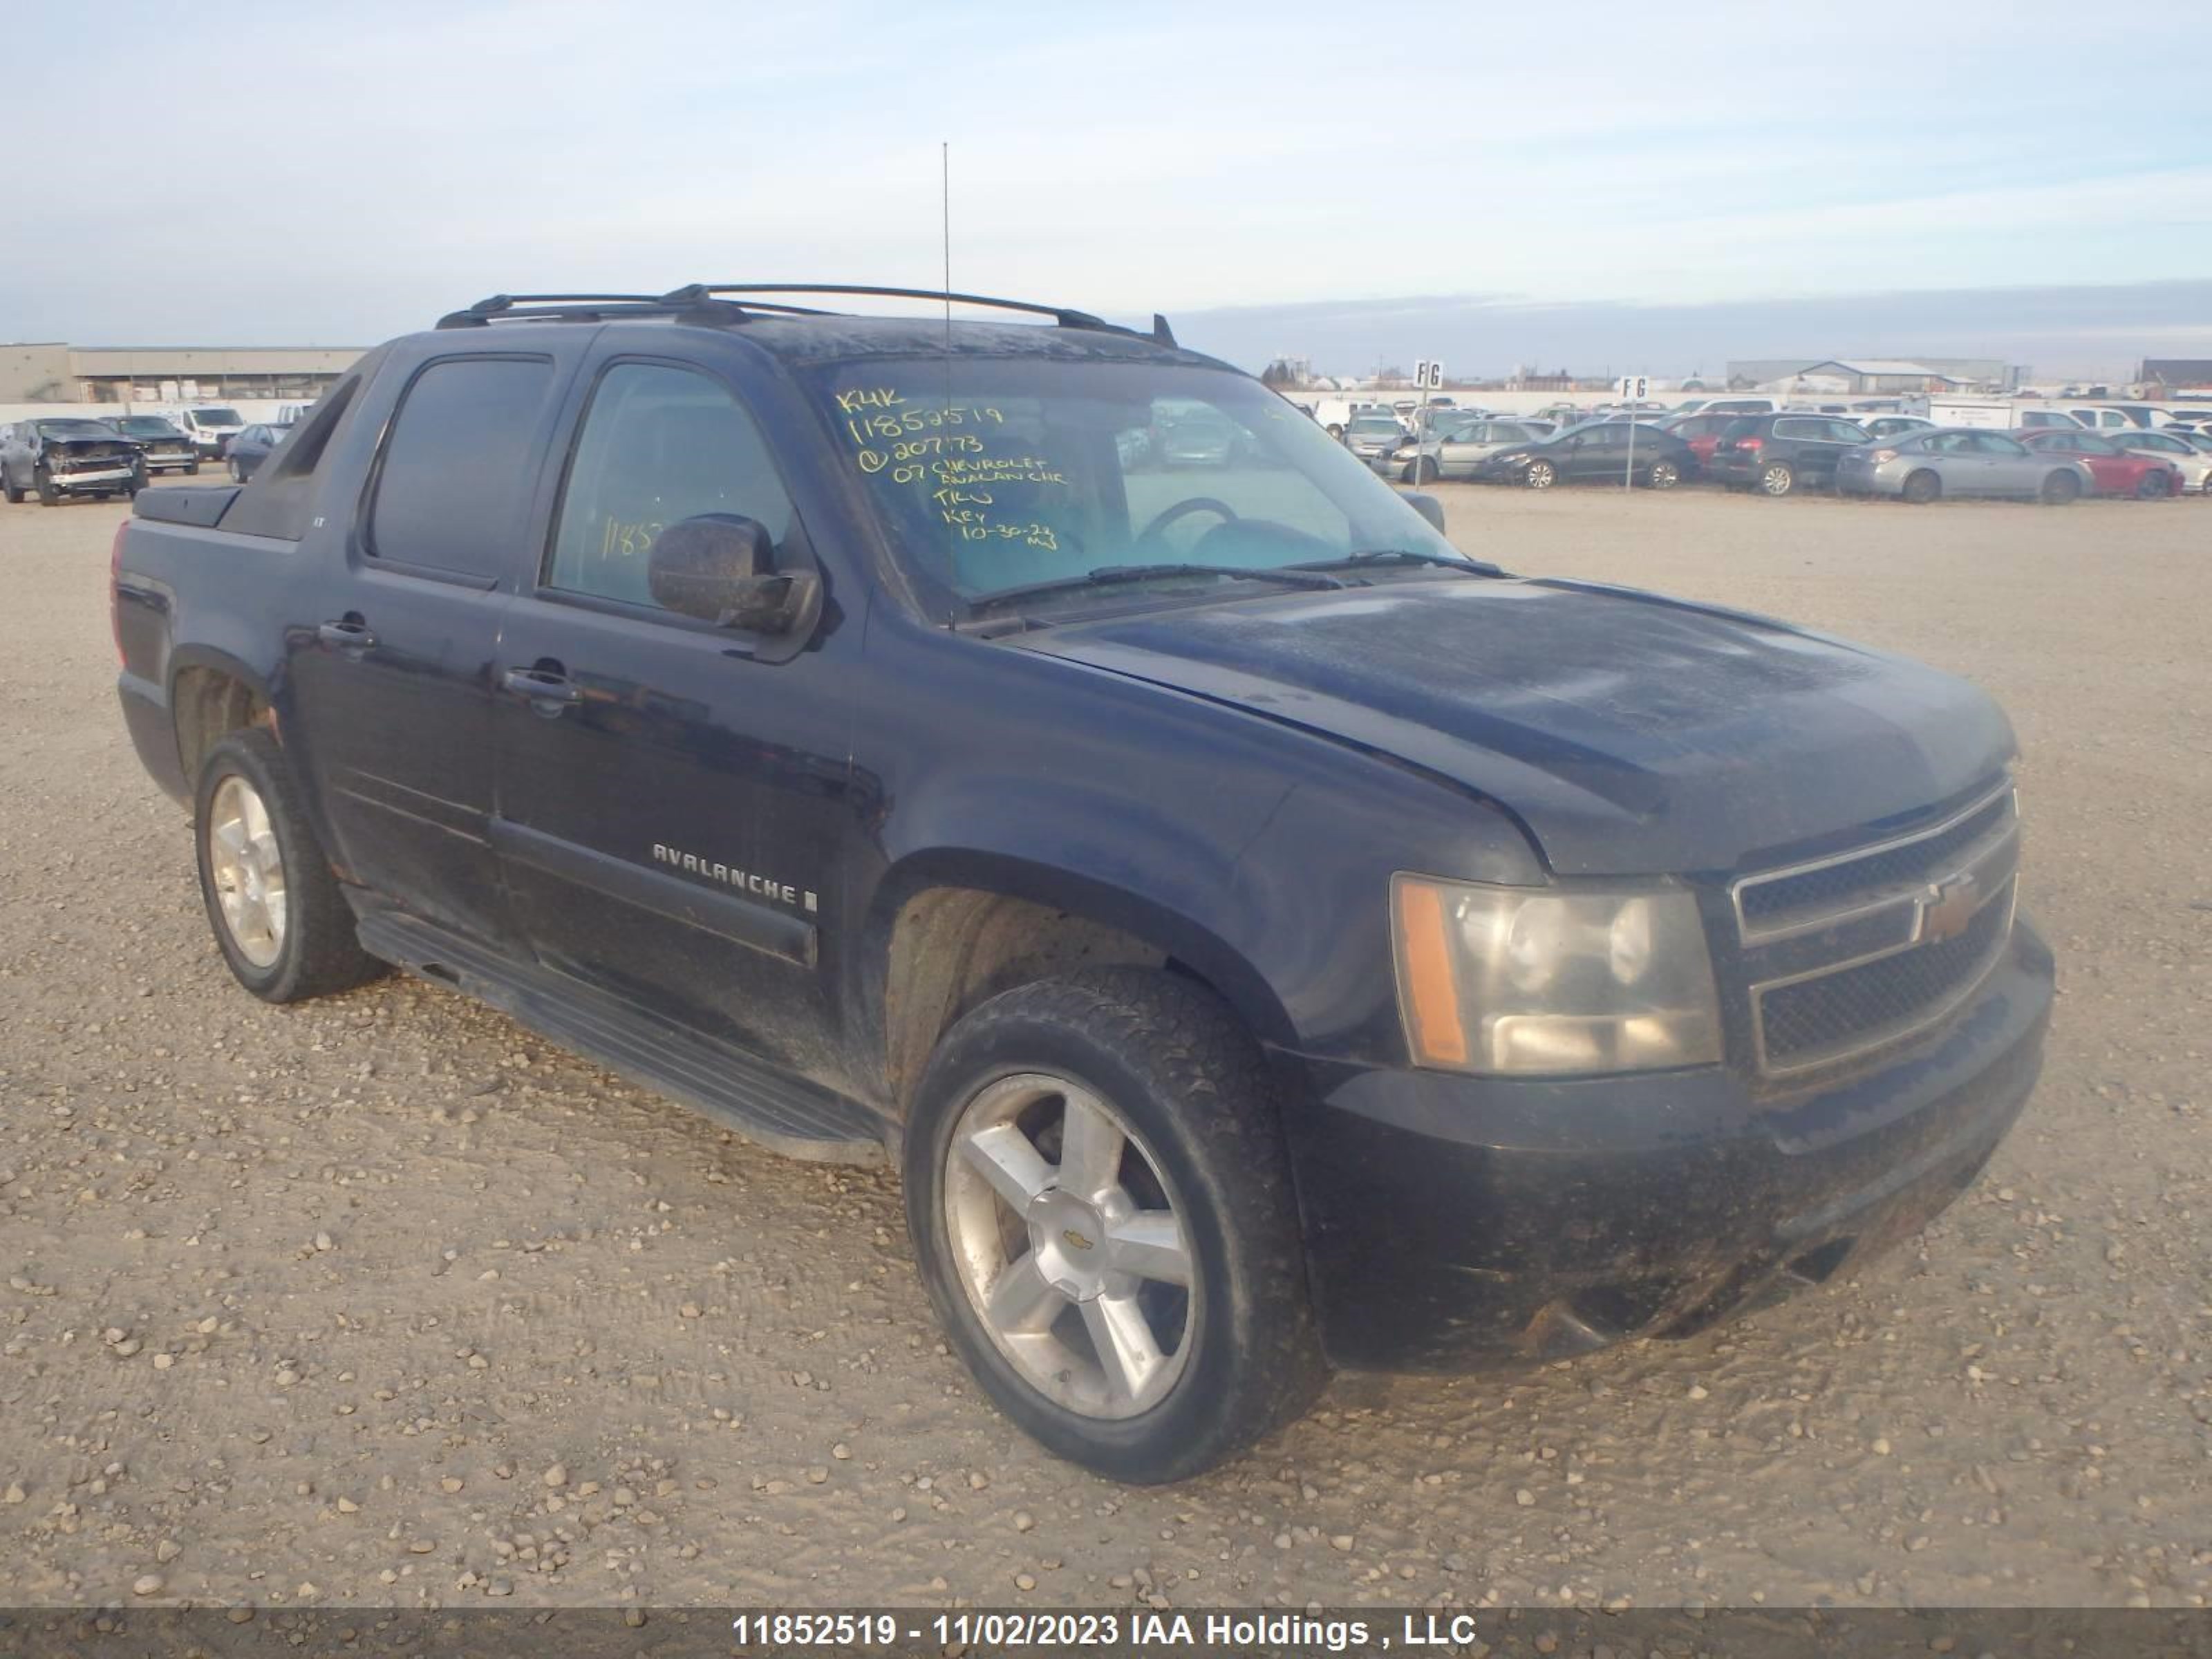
[1753,933]
[1886,1035]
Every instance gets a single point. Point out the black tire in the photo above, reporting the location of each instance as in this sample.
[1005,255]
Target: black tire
[1777,478]
[1663,475]
[43,482]
[1425,471]
[1172,1060]
[320,952]
[1540,475]
[13,491]
[2154,487]
[2060,489]
[193,471]
[1922,488]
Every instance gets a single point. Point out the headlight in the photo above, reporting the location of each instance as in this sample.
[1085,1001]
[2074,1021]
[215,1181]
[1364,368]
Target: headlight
[1536,980]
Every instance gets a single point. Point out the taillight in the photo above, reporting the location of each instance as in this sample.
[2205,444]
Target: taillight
[1753,444]
[115,593]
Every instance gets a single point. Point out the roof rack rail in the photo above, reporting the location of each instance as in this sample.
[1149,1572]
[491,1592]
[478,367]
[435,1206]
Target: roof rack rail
[1064,316]
[704,302]
[585,307]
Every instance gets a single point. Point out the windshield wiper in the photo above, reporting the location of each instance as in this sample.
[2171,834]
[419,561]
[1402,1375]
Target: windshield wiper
[1377,555]
[1110,575]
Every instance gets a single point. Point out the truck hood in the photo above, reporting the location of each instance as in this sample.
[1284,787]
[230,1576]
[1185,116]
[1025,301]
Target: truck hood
[1631,734]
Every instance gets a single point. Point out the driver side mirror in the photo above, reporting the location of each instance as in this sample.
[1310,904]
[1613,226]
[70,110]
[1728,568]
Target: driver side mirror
[717,568]
[1427,506]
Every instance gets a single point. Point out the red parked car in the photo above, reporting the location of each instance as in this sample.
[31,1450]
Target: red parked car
[2117,471]
[1701,432]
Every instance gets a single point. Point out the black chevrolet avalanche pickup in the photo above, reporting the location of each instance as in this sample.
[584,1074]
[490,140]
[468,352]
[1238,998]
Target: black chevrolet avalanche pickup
[1266,938]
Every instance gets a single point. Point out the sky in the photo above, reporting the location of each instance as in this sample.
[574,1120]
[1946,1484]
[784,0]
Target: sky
[1593,184]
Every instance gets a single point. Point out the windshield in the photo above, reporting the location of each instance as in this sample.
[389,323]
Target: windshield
[73,429]
[147,426]
[1003,473]
[218,417]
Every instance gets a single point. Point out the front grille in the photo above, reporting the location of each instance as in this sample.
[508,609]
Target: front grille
[1841,957]
[1853,1009]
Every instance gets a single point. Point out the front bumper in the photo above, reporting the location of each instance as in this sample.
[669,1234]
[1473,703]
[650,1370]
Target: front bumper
[79,482]
[1459,1223]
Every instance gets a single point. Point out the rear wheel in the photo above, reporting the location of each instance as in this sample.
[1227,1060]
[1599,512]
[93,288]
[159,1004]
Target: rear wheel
[1777,478]
[2061,488]
[1922,488]
[1541,475]
[192,470]
[282,925]
[1101,1208]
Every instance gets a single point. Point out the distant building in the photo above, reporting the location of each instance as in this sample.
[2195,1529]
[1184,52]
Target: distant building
[2177,373]
[50,372]
[1877,374]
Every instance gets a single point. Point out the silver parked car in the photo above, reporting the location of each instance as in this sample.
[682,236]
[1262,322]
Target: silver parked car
[2180,448]
[1371,435]
[1453,452]
[1920,466]
[1895,426]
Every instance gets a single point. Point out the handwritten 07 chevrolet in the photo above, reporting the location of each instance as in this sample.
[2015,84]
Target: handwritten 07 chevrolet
[1265,937]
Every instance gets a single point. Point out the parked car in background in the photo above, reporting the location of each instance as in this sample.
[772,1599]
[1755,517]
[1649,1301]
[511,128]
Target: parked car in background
[1895,426]
[60,456]
[1586,453]
[1740,406]
[250,448]
[1700,431]
[1778,454]
[165,444]
[1370,436]
[2192,463]
[2058,419]
[1963,461]
[210,427]
[2114,471]
[1456,452]
[2196,419]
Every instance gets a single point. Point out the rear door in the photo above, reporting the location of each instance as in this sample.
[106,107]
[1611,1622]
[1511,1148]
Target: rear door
[670,799]
[391,677]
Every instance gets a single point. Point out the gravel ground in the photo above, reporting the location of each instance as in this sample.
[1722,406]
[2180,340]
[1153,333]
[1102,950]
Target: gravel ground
[383,1300]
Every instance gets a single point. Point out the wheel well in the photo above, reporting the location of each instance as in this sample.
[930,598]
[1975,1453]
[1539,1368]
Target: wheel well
[207,705]
[952,948]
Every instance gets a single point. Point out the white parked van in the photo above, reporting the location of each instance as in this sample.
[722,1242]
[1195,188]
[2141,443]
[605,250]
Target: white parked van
[210,426]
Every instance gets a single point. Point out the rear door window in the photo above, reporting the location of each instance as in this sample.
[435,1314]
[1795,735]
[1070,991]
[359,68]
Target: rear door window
[457,470]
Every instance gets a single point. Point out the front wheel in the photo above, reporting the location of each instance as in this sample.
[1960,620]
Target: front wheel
[49,494]
[1542,475]
[1664,475]
[282,925]
[1100,1206]
[2061,488]
[1425,471]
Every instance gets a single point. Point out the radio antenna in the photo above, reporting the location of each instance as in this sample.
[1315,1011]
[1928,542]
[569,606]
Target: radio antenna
[945,191]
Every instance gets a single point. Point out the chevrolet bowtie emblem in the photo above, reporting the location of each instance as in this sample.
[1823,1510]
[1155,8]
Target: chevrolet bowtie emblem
[1075,1239]
[1945,915]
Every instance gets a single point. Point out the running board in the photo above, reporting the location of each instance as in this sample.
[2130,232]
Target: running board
[785,1114]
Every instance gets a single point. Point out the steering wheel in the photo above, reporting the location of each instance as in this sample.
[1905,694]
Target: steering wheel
[1182,510]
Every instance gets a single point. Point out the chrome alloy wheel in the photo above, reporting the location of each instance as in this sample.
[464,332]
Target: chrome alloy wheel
[1070,1245]
[248,868]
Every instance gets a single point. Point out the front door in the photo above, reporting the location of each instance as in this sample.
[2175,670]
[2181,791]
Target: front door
[391,675]
[670,805]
